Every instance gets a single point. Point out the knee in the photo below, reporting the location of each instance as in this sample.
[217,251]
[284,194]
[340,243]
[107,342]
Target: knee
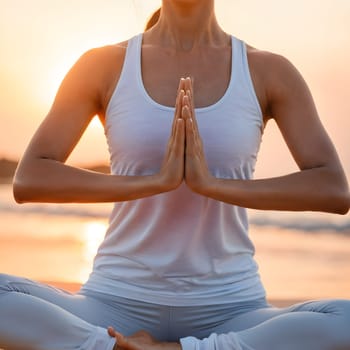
[344,312]
[340,307]
[336,316]
[4,282]
[337,307]
[9,283]
[340,328]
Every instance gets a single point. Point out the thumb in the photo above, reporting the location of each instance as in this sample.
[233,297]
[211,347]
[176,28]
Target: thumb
[111,332]
[120,339]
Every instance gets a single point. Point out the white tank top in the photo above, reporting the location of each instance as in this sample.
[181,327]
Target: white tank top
[180,248]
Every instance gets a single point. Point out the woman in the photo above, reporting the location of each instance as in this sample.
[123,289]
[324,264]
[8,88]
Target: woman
[176,260]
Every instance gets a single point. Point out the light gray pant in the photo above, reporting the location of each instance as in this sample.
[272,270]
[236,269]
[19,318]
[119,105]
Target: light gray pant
[38,317]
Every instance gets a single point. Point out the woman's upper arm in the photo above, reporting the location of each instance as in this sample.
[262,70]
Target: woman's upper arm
[82,95]
[292,106]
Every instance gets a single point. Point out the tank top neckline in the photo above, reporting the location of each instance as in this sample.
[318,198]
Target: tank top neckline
[234,59]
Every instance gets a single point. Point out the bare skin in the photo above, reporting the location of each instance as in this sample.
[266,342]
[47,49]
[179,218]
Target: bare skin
[140,341]
[190,41]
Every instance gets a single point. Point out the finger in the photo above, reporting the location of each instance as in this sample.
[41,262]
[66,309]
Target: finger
[189,93]
[181,87]
[186,114]
[183,83]
[176,148]
[179,146]
[190,141]
[122,341]
[179,103]
[174,141]
[178,107]
[177,116]
[193,139]
[188,83]
[111,332]
[189,96]
[189,87]
[189,102]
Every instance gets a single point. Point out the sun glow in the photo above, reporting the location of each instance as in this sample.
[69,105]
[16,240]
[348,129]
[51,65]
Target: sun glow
[48,76]
[93,235]
[96,123]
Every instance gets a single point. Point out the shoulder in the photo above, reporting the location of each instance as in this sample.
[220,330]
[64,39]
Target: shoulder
[97,71]
[92,77]
[268,63]
[96,63]
[274,75]
[107,53]
[101,60]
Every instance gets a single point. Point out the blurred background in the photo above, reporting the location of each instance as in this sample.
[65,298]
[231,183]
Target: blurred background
[301,255]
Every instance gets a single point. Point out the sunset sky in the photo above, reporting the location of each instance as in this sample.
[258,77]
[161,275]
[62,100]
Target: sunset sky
[41,39]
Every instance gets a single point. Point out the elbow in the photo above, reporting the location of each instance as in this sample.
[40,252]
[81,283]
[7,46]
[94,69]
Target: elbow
[24,188]
[336,193]
[343,204]
[338,202]
[17,194]
[20,191]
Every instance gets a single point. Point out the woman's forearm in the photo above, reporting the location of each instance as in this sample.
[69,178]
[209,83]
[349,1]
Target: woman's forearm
[318,189]
[46,180]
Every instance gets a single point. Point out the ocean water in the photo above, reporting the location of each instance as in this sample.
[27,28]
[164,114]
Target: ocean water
[300,255]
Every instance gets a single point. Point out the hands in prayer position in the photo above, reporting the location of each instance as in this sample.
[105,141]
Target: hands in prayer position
[184,158]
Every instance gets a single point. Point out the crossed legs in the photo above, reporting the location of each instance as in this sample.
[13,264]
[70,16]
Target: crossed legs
[34,316]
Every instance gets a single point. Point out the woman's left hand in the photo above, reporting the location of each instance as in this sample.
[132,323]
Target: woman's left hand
[197,175]
[140,341]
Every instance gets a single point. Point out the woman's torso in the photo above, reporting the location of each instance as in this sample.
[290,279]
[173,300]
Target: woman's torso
[180,248]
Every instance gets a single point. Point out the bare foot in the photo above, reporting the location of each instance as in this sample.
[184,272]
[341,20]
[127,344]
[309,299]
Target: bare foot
[140,341]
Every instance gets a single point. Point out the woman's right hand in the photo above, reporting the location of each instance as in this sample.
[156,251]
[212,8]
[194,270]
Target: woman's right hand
[172,170]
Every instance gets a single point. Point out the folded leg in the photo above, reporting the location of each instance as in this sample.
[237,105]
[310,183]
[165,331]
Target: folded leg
[318,325]
[35,316]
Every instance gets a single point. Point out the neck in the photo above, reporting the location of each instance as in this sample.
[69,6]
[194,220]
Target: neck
[185,24]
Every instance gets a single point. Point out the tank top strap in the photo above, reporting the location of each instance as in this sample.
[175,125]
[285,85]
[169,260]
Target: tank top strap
[237,58]
[241,72]
[130,70]
[132,58]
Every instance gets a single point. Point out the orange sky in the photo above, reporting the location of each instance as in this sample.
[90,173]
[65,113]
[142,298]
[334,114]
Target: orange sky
[41,39]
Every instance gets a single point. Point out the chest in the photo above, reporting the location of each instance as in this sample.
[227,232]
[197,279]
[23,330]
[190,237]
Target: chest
[210,69]
[138,134]
[139,122]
